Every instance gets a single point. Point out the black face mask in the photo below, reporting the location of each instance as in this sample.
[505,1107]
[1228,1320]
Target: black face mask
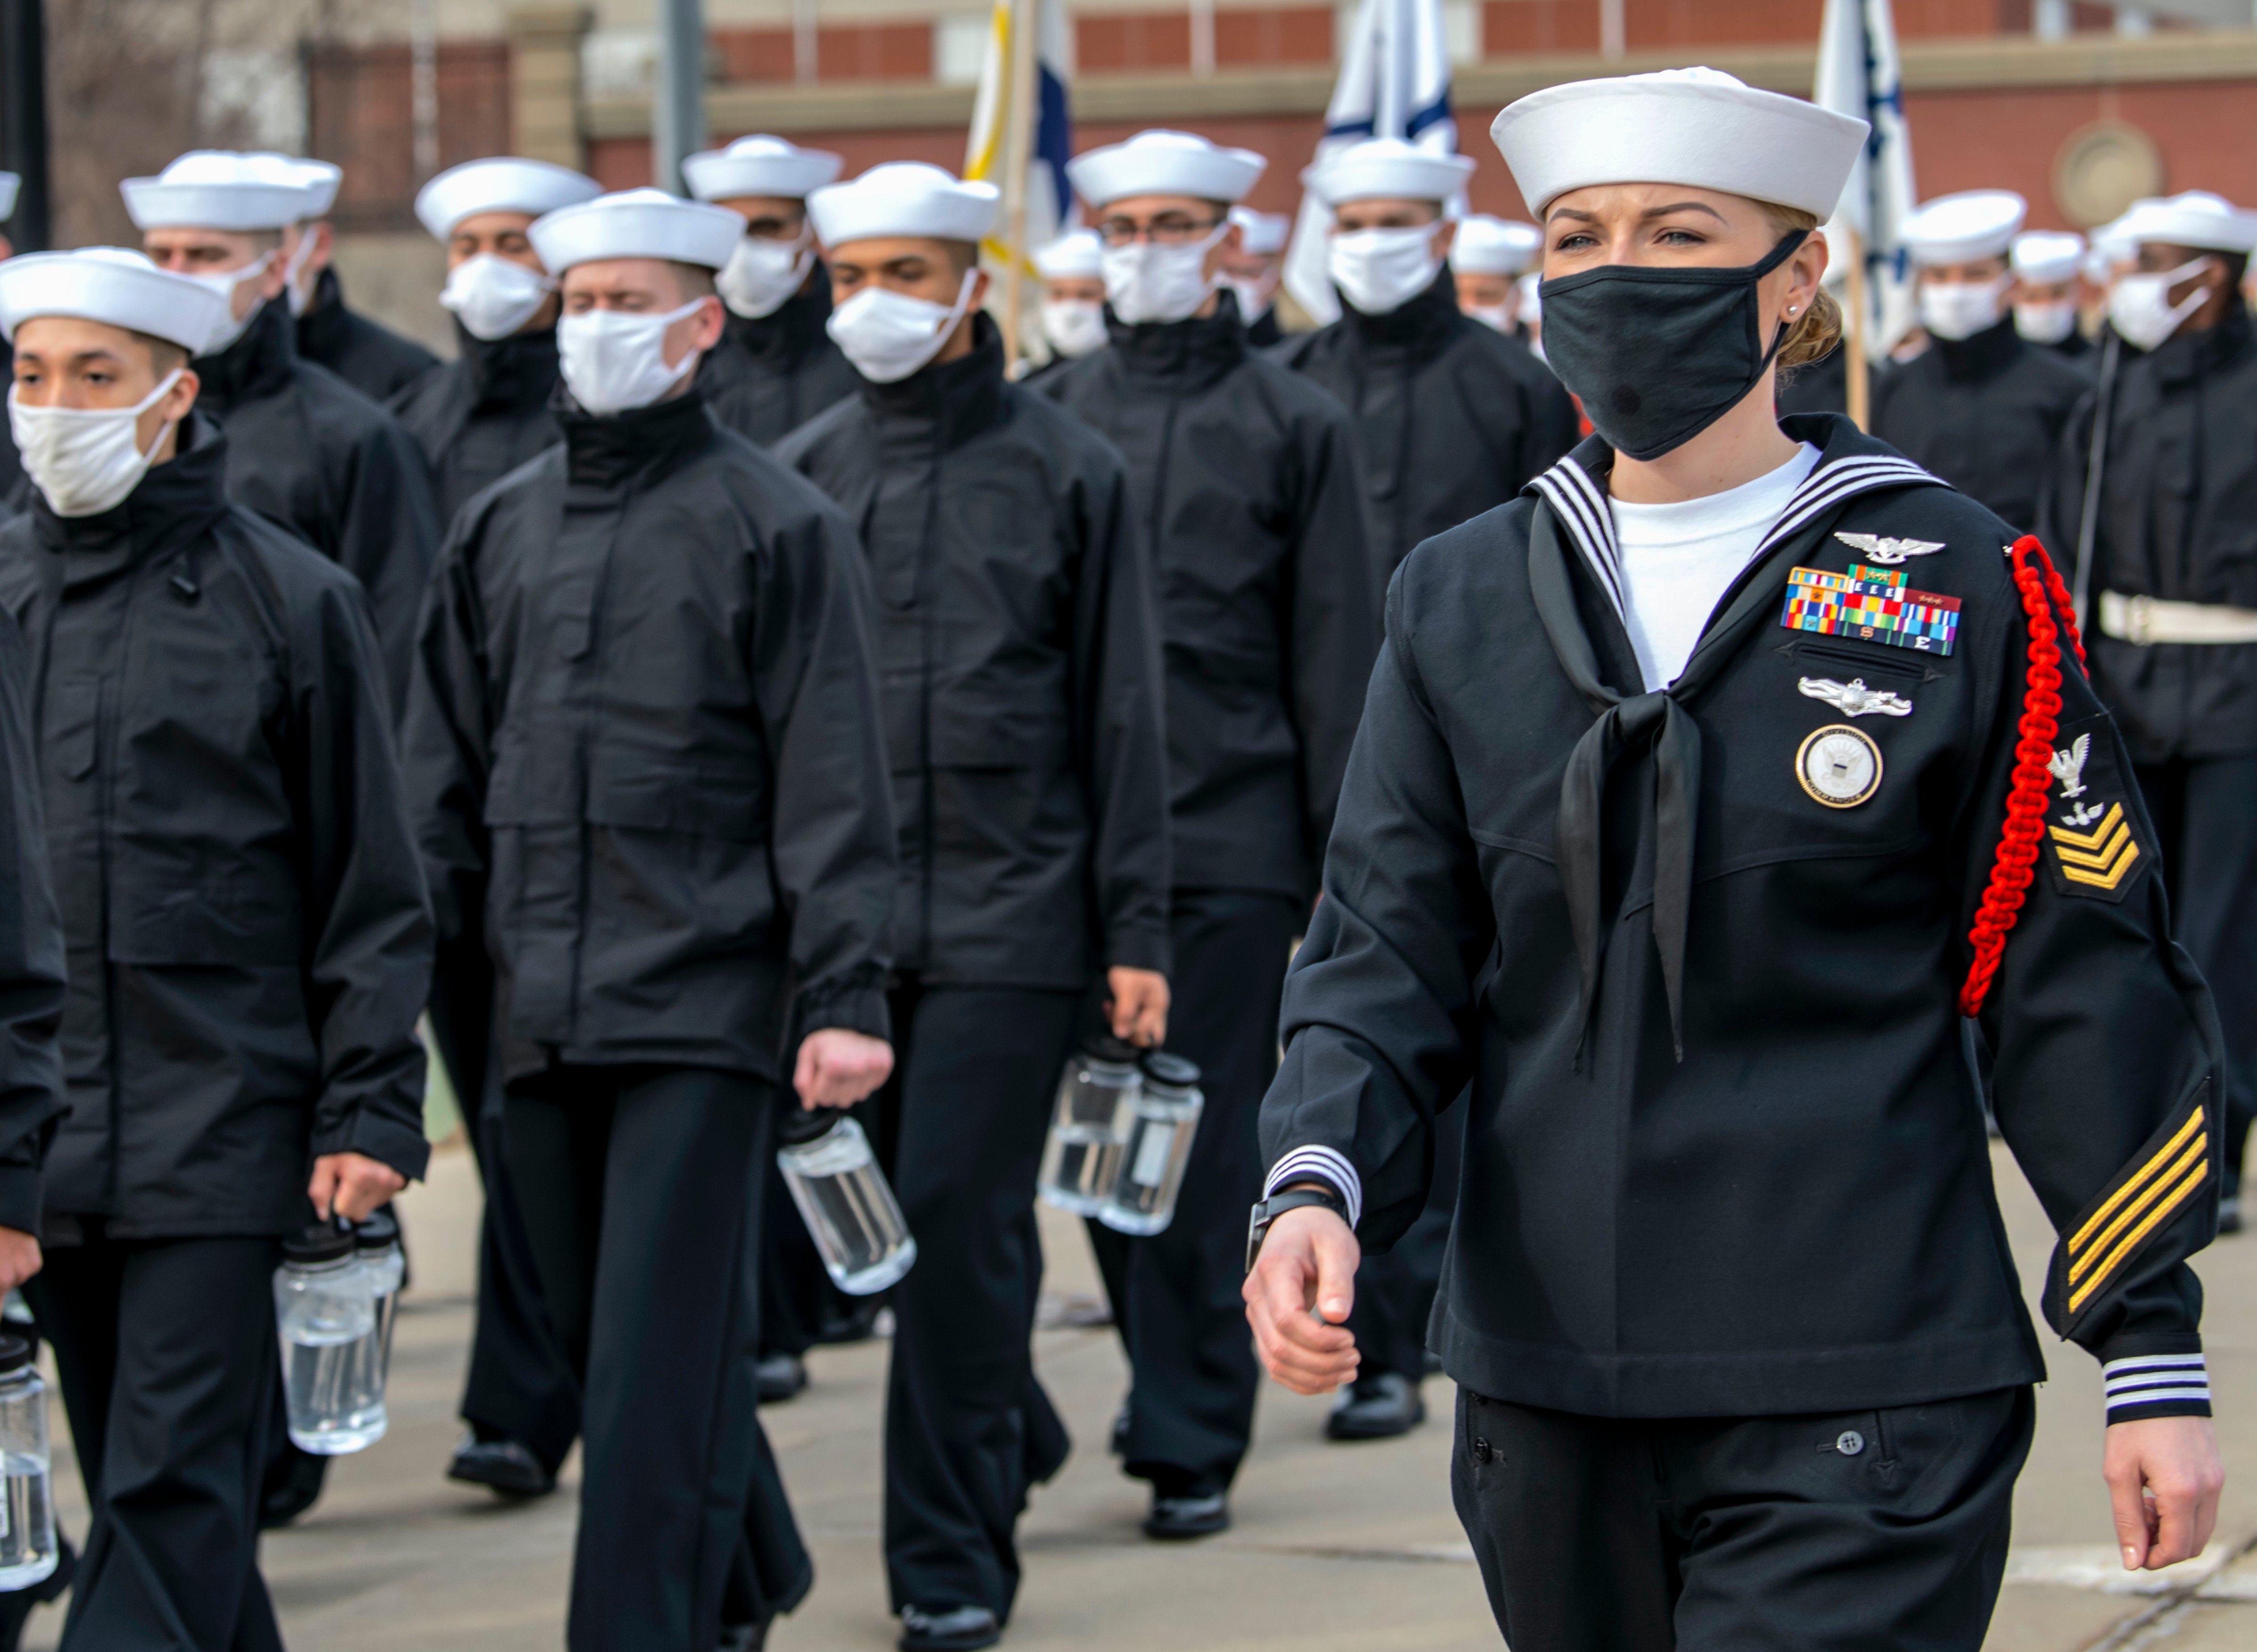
[1659,356]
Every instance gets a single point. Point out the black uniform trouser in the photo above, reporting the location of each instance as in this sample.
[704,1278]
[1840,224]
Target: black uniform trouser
[968,1428]
[2205,812]
[1395,1291]
[638,1188]
[1743,1534]
[1175,1295]
[520,1386]
[167,1356]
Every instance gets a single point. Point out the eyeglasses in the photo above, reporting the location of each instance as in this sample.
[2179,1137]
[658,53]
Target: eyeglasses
[1169,229]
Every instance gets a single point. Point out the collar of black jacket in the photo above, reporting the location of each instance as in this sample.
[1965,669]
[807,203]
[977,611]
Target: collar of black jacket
[322,328]
[949,402]
[1425,322]
[518,371]
[2187,355]
[616,450]
[259,363]
[1200,349]
[1633,720]
[173,502]
[1981,356]
[782,337]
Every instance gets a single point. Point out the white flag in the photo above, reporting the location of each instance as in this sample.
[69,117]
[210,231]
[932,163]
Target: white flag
[1857,76]
[1049,199]
[1394,83]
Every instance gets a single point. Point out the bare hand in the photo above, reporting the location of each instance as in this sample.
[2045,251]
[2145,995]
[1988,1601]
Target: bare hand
[2175,1461]
[1298,1299]
[1137,1003]
[351,1185]
[838,1067]
[19,1257]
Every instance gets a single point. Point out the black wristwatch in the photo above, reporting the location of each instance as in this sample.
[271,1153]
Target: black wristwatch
[1257,1223]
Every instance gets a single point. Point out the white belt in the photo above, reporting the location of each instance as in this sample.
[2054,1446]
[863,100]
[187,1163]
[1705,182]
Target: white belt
[2144,620]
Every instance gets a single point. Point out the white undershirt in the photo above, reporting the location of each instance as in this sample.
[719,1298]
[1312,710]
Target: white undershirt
[1678,558]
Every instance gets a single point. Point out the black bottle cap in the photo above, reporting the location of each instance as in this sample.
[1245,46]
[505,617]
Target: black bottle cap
[798,1125]
[1171,1070]
[380,1231]
[1106,1048]
[15,1355]
[318,1244]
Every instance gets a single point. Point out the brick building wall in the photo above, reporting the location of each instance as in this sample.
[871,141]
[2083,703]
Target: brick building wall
[360,114]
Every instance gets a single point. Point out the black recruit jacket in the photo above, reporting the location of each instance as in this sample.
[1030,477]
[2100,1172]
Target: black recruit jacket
[1019,656]
[643,752]
[1245,476]
[32,968]
[324,461]
[15,486]
[1796,1215]
[1451,417]
[1984,413]
[249,939]
[480,416]
[769,376]
[2177,521]
[367,355]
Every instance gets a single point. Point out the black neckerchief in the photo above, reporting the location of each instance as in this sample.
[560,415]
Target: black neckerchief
[260,364]
[1420,326]
[1200,349]
[783,338]
[1573,506]
[323,331]
[173,503]
[611,451]
[946,404]
[1981,355]
[517,374]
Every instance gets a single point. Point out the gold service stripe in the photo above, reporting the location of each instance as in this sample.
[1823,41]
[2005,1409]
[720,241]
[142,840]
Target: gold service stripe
[2195,1149]
[2162,1155]
[2179,1195]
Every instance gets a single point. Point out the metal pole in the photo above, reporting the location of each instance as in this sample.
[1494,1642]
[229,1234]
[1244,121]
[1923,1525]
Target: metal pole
[678,115]
[23,123]
[1025,19]
[423,85]
[1856,369]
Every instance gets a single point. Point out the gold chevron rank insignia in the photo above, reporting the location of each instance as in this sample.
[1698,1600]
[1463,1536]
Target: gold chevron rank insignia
[2094,837]
[2163,1181]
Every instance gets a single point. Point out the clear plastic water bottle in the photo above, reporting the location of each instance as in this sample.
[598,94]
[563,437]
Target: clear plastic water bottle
[325,1317]
[1082,1159]
[377,1241]
[27,1510]
[1164,1117]
[845,1199]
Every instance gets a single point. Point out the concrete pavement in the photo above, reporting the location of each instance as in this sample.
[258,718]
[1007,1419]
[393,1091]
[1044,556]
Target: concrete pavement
[1335,1547]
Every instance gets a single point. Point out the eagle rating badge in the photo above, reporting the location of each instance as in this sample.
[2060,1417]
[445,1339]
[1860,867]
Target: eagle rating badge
[1873,605]
[2094,842]
[1839,766]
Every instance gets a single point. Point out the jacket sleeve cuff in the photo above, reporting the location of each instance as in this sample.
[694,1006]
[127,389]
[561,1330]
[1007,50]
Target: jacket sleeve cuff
[1319,1164]
[2157,1385]
[21,1186]
[1137,950]
[856,1002]
[394,1142]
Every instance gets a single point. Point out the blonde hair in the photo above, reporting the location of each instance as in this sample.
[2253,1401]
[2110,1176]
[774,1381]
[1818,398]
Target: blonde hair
[1812,334]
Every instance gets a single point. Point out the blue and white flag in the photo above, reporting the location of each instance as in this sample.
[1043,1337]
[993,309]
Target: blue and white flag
[1858,75]
[1394,83]
[1049,198]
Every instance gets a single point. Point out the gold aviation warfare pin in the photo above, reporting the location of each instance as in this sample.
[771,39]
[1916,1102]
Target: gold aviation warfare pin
[2094,839]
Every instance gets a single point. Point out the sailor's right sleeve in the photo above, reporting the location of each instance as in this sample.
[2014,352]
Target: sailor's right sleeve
[31,954]
[2109,1078]
[1379,1006]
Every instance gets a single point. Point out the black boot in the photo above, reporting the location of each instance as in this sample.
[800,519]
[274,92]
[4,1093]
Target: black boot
[1377,1406]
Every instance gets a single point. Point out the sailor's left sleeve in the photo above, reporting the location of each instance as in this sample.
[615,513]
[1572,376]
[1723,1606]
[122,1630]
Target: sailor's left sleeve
[2110,1067]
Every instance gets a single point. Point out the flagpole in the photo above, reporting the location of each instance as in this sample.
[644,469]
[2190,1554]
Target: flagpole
[1860,382]
[1018,151]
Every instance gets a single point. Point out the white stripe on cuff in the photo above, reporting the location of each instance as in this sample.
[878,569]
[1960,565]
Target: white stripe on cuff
[2154,1378]
[1324,1165]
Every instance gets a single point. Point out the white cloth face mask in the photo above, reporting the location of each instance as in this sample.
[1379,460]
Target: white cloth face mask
[492,297]
[225,284]
[85,459]
[300,293]
[760,274]
[1961,309]
[1254,296]
[1380,270]
[2047,323]
[613,361]
[1496,316]
[888,336]
[1145,281]
[1074,327]
[2140,306]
